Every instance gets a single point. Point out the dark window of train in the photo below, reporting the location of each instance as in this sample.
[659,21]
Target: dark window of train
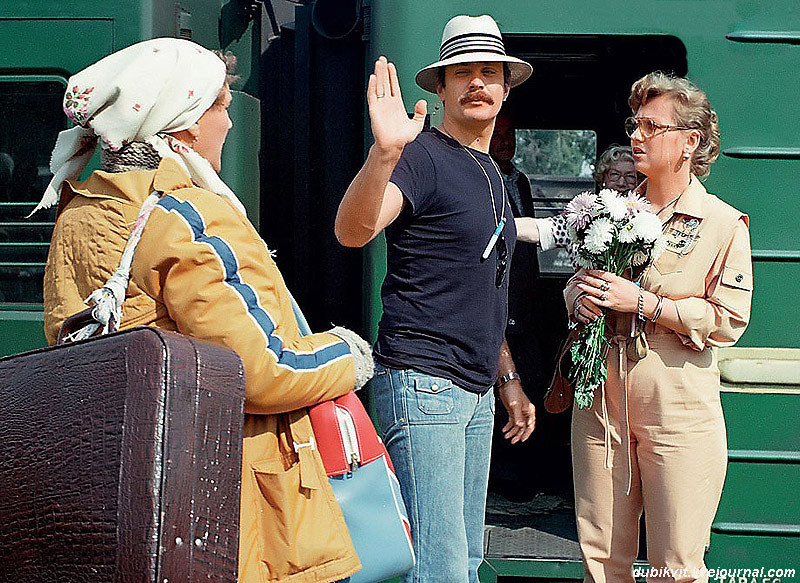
[31,120]
[581,83]
[559,165]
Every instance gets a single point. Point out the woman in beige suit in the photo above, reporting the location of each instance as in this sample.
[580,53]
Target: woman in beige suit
[655,435]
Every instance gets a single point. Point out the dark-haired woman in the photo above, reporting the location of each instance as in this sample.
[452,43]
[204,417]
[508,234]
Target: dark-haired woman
[655,435]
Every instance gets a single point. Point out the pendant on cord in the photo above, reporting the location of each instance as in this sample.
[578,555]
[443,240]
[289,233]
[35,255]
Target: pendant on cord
[493,239]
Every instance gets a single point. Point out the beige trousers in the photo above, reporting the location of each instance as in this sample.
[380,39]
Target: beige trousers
[659,443]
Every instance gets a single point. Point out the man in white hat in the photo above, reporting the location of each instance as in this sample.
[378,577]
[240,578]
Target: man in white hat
[450,235]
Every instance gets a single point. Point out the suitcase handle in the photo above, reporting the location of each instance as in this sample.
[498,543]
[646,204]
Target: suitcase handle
[79,327]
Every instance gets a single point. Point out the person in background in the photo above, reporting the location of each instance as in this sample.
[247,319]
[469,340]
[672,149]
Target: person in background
[654,438]
[449,233]
[614,169]
[510,477]
[159,110]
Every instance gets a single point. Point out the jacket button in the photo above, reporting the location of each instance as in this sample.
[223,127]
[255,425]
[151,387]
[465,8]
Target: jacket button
[435,388]
[511,321]
[739,278]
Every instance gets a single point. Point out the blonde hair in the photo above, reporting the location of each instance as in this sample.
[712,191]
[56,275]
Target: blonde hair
[691,108]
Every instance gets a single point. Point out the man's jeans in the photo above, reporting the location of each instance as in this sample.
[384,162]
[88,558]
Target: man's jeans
[439,438]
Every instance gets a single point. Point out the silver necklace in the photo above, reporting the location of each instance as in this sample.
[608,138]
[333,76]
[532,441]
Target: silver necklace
[659,211]
[499,221]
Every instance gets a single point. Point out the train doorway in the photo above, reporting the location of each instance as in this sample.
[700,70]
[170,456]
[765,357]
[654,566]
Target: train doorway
[570,111]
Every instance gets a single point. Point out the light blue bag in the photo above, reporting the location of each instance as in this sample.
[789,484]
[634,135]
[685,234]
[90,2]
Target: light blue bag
[364,483]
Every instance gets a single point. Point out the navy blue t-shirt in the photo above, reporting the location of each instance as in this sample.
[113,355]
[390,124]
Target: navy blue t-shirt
[442,311]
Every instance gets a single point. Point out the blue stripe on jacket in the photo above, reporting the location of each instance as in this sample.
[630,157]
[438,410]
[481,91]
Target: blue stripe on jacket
[230,266]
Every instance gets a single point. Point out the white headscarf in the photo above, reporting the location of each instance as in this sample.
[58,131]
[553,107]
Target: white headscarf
[140,94]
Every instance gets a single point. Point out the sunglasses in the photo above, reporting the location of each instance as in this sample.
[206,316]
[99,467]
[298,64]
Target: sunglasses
[502,261]
[648,127]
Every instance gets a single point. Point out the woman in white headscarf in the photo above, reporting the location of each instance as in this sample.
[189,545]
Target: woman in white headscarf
[158,109]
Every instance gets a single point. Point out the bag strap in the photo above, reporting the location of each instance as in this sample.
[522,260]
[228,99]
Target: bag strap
[302,323]
[566,345]
[106,314]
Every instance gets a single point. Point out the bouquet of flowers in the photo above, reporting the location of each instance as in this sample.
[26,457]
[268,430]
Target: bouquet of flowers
[612,232]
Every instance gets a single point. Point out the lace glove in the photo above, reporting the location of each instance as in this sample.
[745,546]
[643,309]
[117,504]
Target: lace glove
[362,354]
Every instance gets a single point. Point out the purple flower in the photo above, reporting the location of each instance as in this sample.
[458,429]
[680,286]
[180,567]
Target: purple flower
[636,204]
[580,210]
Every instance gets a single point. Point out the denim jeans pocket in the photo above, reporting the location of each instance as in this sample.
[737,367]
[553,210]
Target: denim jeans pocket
[434,397]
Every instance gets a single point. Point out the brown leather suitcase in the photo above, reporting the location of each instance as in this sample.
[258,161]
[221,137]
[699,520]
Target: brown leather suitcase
[120,461]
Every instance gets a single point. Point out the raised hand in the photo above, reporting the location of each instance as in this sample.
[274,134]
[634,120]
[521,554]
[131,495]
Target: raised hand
[391,126]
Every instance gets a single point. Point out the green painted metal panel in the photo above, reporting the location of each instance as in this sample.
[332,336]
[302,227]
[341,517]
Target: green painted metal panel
[737,551]
[21,330]
[762,419]
[763,493]
[240,168]
[537,568]
[58,44]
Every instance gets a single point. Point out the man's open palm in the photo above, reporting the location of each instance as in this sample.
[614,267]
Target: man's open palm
[391,126]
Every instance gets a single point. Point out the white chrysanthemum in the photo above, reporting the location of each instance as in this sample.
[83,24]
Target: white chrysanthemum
[647,227]
[627,233]
[616,206]
[659,247]
[599,234]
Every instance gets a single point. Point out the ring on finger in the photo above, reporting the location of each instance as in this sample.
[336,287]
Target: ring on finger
[603,296]
[604,286]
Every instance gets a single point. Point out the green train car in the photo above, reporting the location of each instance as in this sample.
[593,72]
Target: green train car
[300,133]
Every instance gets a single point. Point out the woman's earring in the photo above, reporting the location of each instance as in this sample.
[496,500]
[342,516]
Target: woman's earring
[686,156]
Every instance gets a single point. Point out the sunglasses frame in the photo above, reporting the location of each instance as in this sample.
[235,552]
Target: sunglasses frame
[501,251]
[659,128]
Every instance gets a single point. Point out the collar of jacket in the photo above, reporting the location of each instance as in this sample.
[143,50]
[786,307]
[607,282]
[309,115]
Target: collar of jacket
[128,187]
[691,200]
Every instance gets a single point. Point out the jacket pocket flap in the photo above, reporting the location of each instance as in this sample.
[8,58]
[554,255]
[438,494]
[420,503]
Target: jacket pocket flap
[733,277]
[303,464]
[273,466]
[432,385]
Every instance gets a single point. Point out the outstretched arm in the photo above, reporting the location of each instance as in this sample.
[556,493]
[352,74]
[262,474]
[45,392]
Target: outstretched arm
[371,201]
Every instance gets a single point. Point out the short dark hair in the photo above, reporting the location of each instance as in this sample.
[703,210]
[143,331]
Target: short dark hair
[506,74]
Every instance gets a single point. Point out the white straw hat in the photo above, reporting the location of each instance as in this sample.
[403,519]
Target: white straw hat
[472,39]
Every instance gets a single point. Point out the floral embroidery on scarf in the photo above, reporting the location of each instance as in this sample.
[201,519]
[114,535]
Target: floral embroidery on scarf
[76,104]
[114,147]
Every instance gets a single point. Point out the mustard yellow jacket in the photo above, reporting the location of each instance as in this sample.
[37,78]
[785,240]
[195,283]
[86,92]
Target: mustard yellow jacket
[203,270]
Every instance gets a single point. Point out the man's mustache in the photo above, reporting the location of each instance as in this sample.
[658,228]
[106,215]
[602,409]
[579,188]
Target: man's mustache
[478,95]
